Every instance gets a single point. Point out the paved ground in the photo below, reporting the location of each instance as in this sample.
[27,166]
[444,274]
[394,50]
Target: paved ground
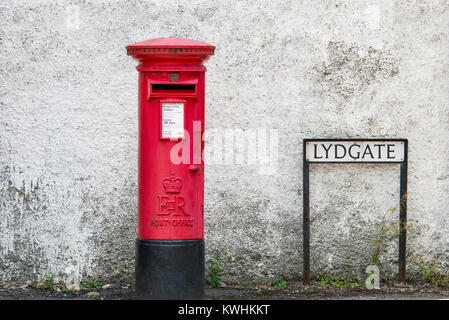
[295,291]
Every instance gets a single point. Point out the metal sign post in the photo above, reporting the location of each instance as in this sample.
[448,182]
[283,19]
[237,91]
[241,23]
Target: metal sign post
[330,151]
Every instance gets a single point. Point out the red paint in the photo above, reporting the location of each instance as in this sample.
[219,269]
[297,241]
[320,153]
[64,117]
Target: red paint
[170,196]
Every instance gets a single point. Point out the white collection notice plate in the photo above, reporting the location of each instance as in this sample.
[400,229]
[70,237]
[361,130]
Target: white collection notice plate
[172,120]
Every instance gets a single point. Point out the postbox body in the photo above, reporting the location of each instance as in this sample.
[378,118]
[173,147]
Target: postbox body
[171,171]
[170,245]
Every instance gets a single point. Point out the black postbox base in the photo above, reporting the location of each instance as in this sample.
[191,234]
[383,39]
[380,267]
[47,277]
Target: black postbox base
[170,269]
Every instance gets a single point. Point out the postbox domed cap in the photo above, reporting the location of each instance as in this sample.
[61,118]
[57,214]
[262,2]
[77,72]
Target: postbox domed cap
[170,47]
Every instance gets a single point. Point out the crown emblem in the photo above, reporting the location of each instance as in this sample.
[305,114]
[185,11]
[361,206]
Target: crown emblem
[172,184]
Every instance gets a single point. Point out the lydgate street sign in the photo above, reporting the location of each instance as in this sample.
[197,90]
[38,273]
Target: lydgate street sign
[352,151]
[356,151]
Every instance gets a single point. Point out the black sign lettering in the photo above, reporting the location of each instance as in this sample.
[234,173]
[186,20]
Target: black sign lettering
[355,150]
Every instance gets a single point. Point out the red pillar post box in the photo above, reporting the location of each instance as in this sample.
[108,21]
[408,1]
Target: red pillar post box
[170,237]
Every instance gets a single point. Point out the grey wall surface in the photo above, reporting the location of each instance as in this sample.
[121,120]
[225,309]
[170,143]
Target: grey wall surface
[305,69]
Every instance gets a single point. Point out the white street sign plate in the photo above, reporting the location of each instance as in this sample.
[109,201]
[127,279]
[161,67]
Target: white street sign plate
[357,151]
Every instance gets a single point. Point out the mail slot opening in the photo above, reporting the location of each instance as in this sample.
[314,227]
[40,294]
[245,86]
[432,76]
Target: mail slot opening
[172,88]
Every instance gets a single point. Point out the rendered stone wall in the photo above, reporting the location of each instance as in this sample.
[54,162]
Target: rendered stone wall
[290,69]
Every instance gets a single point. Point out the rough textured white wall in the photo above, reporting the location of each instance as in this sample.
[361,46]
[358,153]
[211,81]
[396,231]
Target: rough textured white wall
[68,137]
